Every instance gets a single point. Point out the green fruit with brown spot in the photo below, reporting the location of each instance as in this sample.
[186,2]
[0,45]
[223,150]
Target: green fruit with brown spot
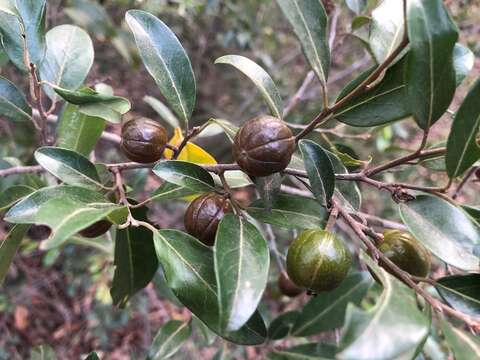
[318,260]
[406,252]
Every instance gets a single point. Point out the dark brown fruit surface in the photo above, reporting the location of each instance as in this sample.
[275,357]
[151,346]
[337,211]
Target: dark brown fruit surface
[204,214]
[318,260]
[96,229]
[143,140]
[406,252]
[263,146]
[287,287]
[39,232]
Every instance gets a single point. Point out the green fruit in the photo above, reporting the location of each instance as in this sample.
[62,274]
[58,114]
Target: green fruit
[318,260]
[406,252]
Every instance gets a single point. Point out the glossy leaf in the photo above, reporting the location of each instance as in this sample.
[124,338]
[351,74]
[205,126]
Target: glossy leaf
[326,311]
[260,78]
[269,189]
[11,33]
[385,102]
[309,21]
[14,194]
[9,246]
[166,61]
[241,260]
[94,104]
[463,61]
[282,326]
[184,174]
[168,191]
[430,75]
[319,169]
[386,29]
[25,211]
[311,351]
[462,148]
[162,110]
[68,58]
[66,217]
[69,166]
[135,260]
[444,229]
[291,212]
[464,346]
[32,15]
[462,292]
[374,333]
[77,131]
[13,104]
[42,352]
[92,356]
[189,270]
[169,339]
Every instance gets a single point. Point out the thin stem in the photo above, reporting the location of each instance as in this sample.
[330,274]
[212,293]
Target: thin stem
[273,247]
[464,181]
[332,219]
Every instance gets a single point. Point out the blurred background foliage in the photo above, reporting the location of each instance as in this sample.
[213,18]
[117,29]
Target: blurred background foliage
[62,298]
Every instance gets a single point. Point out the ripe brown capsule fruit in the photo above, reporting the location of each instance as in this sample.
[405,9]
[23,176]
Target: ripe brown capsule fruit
[263,146]
[143,140]
[406,252]
[96,229]
[318,260]
[204,214]
[287,287]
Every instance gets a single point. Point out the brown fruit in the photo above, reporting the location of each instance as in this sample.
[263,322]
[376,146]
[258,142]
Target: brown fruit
[406,252]
[204,214]
[39,232]
[143,140]
[263,146]
[96,229]
[287,287]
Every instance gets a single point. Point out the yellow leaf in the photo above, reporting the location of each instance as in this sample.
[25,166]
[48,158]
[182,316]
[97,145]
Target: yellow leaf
[191,152]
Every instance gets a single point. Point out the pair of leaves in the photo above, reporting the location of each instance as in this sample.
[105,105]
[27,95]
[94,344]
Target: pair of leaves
[95,104]
[447,231]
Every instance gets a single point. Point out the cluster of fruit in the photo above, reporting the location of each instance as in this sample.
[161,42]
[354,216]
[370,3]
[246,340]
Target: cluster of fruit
[317,260]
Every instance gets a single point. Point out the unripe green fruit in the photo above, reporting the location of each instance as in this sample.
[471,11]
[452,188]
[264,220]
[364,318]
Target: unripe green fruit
[318,260]
[406,252]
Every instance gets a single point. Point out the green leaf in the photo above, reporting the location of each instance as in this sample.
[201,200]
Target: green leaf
[464,346]
[282,326]
[13,104]
[185,174]
[473,212]
[32,15]
[43,352]
[290,212]
[430,75]
[208,336]
[168,191]
[169,339]
[461,292]
[166,61]
[444,229]
[269,188]
[25,211]
[260,78]
[8,248]
[356,5]
[95,104]
[14,194]
[326,311]
[385,102]
[77,131]
[462,148]
[69,166]
[229,129]
[359,21]
[387,29]
[309,21]
[319,169]
[135,260]
[374,334]
[66,217]
[189,270]
[92,17]
[162,110]
[68,59]
[11,31]
[242,260]
[463,61]
[92,356]
[305,351]
[347,193]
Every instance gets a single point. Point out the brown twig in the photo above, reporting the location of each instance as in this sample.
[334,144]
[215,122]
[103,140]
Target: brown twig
[464,181]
